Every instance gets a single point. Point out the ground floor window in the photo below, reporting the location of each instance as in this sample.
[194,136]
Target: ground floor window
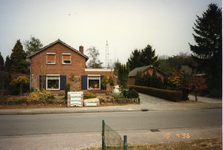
[94,83]
[52,82]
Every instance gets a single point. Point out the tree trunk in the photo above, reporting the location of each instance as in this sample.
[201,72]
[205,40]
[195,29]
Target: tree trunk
[195,93]
[2,91]
[20,89]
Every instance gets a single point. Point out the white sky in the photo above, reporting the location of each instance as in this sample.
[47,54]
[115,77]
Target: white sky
[126,24]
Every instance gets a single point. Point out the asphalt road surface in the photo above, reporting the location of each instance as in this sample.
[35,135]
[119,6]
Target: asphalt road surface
[11,125]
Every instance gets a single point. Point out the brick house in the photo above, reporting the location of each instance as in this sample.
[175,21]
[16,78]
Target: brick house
[144,70]
[58,63]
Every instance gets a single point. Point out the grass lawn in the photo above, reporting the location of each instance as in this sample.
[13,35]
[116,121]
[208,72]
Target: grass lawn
[203,144]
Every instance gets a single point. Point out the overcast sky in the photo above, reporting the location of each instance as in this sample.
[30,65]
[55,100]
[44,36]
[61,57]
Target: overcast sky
[127,24]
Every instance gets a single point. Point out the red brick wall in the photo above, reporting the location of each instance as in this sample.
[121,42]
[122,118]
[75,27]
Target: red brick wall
[39,66]
[150,70]
[131,81]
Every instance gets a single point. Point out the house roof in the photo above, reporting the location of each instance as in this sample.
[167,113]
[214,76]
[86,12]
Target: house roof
[187,70]
[55,42]
[133,73]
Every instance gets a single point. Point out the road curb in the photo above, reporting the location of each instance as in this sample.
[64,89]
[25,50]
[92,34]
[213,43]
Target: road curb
[90,110]
[48,111]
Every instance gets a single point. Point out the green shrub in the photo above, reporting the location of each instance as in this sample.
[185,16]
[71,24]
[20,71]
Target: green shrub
[119,96]
[161,93]
[3,100]
[67,89]
[133,94]
[89,95]
[38,95]
[32,89]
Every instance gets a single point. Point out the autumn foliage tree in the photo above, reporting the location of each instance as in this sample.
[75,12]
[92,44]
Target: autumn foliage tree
[107,80]
[104,81]
[20,82]
[197,84]
[177,81]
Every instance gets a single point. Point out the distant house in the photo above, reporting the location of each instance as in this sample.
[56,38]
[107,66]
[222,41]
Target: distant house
[58,63]
[188,71]
[144,70]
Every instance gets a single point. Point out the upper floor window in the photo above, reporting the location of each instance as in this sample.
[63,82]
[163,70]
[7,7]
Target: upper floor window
[50,58]
[66,58]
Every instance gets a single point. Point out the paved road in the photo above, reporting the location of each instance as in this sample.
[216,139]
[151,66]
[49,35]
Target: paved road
[63,130]
[91,122]
[79,130]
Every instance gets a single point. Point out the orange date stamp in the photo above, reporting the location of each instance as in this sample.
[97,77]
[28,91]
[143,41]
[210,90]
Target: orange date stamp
[179,135]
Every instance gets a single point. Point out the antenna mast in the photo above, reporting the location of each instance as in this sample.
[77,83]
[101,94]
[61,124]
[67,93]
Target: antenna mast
[106,55]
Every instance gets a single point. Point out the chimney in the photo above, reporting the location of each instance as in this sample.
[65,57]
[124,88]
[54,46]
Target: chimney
[81,49]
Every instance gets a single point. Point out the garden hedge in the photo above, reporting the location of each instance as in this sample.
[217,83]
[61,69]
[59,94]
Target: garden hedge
[170,95]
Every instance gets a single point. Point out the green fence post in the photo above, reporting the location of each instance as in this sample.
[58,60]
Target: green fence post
[103,125]
[125,142]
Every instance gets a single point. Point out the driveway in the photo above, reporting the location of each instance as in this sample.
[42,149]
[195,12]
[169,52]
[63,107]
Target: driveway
[155,103]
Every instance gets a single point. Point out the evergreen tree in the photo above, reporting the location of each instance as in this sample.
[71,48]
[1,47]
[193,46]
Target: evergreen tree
[147,57]
[32,45]
[8,63]
[134,60]
[140,78]
[207,53]
[116,64]
[144,79]
[153,79]
[18,58]
[5,76]
[165,66]
[1,62]
[137,78]
[123,75]
[148,79]
[142,58]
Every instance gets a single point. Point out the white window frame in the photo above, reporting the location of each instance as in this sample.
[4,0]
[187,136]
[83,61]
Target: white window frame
[52,75]
[51,62]
[94,76]
[66,54]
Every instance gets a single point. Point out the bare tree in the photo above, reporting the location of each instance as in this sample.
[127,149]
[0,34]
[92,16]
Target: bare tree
[93,54]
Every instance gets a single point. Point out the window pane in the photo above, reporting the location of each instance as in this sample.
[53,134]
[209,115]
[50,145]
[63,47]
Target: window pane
[66,61]
[52,82]
[93,84]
